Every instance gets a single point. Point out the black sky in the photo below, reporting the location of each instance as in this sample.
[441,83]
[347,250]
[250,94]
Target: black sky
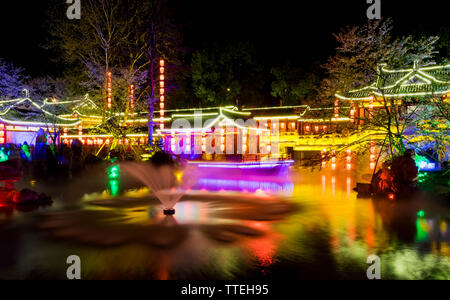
[297,31]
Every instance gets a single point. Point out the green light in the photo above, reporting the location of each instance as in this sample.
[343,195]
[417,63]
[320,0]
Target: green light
[113,172]
[114,187]
[422,177]
[421,214]
[3,156]
[421,230]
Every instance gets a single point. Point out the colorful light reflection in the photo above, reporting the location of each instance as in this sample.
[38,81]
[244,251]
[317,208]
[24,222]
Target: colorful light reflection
[245,185]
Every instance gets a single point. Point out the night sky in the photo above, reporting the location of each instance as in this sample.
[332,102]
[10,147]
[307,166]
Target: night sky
[295,31]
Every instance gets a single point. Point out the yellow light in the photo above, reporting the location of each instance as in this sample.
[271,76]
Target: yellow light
[179,176]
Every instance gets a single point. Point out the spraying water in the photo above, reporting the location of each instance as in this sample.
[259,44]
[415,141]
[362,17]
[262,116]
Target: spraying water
[160,180]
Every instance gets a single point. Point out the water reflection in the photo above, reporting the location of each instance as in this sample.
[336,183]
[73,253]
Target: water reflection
[318,228]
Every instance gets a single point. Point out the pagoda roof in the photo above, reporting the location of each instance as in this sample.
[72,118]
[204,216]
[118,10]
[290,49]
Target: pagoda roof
[280,112]
[27,112]
[415,82]
[321,115]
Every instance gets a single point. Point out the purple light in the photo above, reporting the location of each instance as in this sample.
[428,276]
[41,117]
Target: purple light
[245,185]
[247,165]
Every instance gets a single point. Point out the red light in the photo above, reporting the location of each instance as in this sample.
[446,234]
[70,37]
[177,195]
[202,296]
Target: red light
[391,196]
[162,62]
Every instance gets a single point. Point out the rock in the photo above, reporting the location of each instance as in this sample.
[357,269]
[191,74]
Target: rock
[27,197]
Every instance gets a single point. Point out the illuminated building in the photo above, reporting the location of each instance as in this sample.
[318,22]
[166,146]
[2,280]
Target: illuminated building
[295,132]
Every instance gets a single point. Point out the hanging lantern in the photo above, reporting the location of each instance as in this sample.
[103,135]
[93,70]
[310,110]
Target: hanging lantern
[131,94]
[162,92]
[108,85]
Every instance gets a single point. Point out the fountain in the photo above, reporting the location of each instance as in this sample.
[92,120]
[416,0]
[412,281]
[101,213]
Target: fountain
[160,180]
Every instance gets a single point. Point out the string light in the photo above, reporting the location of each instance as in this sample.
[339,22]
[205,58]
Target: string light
[131,94]
[162,92]
[109,90]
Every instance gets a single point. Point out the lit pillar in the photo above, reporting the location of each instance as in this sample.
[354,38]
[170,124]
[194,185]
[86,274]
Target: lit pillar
[349,160]
[333,160]
[2,133]
[352,112]
[173,143]
[188,143]
[371,107]
[324,156]
[244,141]
[65,132]
[131,94]
[372,155]
[80,133]
[108,90]
[222,140]
[162,92]
[336,109]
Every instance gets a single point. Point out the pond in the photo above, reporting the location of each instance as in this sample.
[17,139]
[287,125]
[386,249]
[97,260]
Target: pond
[305,225]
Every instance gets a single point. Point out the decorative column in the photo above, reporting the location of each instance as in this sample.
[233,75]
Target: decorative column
[131,94]
[108,85]
[336,109]
[162,92]
[2,134]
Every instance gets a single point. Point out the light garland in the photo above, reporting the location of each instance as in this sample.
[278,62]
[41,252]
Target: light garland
[131,97]
[162,92]
[109,90]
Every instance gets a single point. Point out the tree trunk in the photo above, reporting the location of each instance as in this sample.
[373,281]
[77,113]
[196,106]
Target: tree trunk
[150,121]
